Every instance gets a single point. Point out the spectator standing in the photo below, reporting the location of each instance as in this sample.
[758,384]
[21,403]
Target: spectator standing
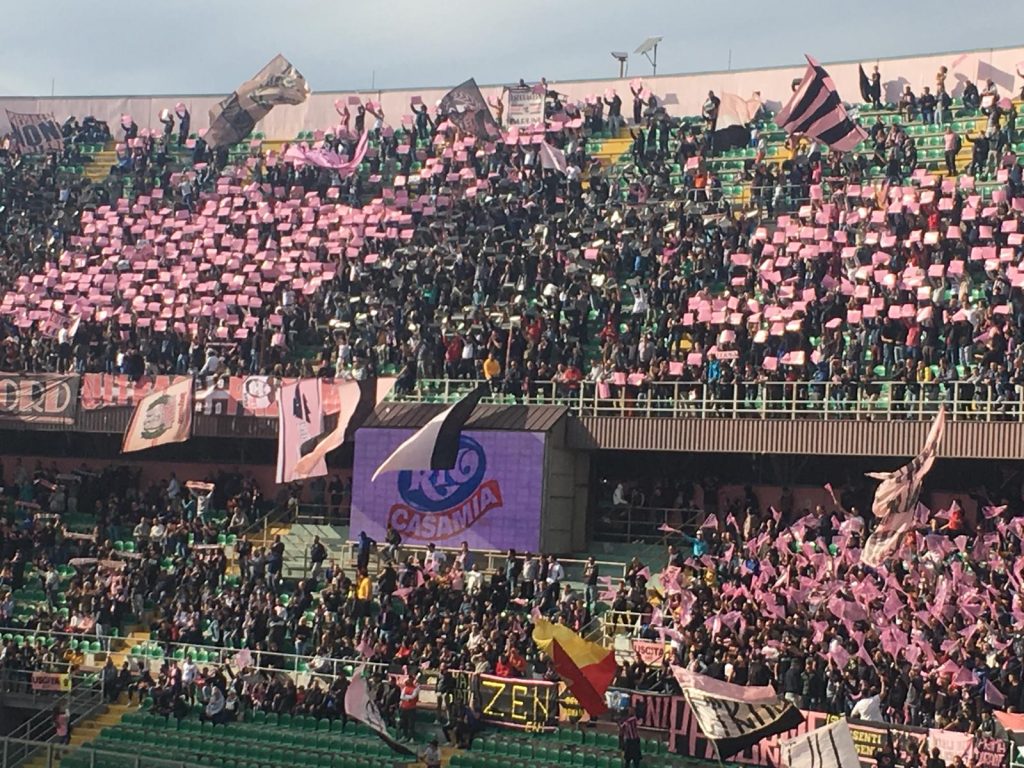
[951,146]
[590,579]
[407,703]
[317,556]
[629,739]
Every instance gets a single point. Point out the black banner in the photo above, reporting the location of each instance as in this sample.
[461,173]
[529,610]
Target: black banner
[235,117]
[35,133]
[466,108]
[530,705]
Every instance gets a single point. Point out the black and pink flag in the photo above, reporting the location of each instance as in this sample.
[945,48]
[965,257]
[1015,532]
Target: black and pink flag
[816,110]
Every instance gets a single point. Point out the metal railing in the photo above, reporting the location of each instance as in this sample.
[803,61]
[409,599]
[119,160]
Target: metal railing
[490,560]
[82,700]
[12,749]
[789,400]
[618,523]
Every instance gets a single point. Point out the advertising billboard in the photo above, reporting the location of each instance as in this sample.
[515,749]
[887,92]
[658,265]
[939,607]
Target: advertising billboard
[491,499]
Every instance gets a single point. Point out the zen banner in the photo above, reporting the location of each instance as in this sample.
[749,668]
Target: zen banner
[529,705]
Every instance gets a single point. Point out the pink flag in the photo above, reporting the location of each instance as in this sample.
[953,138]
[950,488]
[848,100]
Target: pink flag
[666,528]
[965,677]
[990,512]
[839,655]
[993,695]
[686,609]
[710,522]
[832,493]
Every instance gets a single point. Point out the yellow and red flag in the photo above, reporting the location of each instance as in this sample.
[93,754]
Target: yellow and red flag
[587,668]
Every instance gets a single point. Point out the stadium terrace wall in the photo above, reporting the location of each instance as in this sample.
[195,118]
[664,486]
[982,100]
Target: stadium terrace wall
[968,436]
[805,436]
[149,471]
[681,94]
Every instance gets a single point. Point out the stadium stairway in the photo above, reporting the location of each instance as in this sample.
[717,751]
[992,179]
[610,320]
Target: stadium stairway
[86,731]
[300,536]
[99,168]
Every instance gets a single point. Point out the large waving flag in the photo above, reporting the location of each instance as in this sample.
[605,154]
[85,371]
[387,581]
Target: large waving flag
[899,490]
[815,110]
[161,417]
[359,705]
[466,108]
[235,117]
[435,445]
[735,110]
[735,717]
[830,746]
[587,668]
[357,399]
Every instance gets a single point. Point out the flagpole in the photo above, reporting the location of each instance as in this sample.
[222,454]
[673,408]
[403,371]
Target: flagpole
[718,754]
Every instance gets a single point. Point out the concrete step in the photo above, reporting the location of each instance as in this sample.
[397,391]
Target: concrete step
[86,731]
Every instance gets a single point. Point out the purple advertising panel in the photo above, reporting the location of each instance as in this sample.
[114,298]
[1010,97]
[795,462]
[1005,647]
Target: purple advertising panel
[491,499]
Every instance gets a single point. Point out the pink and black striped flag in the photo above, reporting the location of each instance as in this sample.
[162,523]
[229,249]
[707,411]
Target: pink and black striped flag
[816,110]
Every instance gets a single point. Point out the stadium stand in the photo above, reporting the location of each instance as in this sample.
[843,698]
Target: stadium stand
[655,269]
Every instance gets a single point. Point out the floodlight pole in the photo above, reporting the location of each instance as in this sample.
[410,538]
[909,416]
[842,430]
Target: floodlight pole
[654,61]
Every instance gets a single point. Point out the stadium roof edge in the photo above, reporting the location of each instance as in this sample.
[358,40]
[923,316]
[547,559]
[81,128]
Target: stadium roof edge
[369,91]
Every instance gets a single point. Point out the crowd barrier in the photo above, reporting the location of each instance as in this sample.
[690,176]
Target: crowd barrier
[640,397]
[537,705]
[247,406]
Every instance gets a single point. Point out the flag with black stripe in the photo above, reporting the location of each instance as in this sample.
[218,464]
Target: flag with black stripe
[436,445]
[356,400]
[735,717]
[830,746]
[816,110]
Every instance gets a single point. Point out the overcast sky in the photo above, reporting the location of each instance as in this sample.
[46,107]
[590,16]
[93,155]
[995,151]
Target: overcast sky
[209,46]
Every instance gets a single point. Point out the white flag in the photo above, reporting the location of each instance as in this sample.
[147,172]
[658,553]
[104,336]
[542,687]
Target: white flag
[830,746]
[161,417]
[899,490]
[553,158]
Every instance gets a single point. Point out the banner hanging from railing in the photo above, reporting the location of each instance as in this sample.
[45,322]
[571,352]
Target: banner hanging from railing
[671,715]
[525,107]
[39,398]
[50,681]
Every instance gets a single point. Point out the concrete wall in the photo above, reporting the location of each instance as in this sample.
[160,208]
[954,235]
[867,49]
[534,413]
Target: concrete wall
[564,512]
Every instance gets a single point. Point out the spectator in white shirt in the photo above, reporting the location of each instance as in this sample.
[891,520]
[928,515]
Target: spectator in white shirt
[435,559]
[474,580]
[556,573]
[173,488]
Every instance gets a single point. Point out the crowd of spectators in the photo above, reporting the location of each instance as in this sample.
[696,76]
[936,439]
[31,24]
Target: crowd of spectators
[754,596]
[474,261]
[482,263]
[930,639]
[80,552]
